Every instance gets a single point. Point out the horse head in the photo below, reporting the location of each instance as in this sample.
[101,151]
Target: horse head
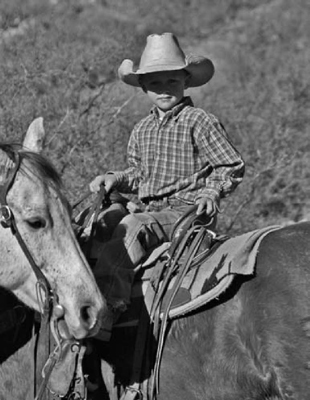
[34,207]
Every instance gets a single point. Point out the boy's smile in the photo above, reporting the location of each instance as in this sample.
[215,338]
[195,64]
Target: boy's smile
[165,88]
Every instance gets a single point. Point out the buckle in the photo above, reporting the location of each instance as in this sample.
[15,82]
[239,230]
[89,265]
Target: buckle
[5,216]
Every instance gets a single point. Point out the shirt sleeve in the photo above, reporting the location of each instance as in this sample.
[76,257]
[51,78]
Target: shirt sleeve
[129,179]
[227,165]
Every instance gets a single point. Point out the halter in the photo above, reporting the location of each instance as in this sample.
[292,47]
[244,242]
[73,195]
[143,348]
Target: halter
[49,303]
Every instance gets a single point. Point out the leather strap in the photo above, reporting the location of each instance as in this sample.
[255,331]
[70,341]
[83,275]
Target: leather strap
[191,253]
[174,256]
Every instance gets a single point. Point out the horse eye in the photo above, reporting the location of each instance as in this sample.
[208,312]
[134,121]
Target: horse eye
[36,222]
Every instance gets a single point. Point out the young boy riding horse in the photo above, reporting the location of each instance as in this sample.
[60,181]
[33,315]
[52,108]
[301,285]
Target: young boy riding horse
[178,156]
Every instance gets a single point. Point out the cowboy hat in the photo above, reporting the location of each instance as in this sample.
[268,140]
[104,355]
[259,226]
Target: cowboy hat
[163,53]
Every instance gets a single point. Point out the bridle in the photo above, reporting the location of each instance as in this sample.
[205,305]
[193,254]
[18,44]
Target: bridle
[47,299]
[7,220]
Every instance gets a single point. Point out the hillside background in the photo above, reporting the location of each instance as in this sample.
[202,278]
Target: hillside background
[58,60]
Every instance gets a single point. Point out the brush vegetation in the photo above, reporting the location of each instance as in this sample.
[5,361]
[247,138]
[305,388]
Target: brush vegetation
[59,60]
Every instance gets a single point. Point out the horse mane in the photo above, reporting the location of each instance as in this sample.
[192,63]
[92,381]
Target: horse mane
[43,168]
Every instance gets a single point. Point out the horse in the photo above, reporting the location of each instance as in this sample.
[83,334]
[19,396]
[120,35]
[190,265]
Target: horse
[250,343]
[39,249]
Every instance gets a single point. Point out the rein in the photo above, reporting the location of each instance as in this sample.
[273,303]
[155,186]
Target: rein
[44,289]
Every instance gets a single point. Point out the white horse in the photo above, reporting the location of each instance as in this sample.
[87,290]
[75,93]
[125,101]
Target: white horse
[37,241]
[42,216]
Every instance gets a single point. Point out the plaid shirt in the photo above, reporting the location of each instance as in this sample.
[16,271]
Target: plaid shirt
[186,155]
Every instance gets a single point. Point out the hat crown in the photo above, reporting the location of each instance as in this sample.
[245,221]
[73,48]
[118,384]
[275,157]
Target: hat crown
[161,50]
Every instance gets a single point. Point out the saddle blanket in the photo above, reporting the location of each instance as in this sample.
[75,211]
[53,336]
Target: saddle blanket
[235,256]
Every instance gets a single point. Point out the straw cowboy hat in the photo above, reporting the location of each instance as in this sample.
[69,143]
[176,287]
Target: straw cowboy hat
[163,53]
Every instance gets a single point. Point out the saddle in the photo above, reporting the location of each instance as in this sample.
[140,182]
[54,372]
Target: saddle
[170,270]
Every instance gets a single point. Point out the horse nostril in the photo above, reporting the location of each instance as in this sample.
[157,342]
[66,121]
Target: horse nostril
[88,316]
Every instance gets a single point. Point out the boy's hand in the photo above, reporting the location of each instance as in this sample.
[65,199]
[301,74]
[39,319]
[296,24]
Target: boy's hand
[108,180]
[207,205]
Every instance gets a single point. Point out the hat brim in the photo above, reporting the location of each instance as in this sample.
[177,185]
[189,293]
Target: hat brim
[200,70]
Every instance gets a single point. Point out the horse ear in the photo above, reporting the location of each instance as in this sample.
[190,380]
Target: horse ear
[35,136]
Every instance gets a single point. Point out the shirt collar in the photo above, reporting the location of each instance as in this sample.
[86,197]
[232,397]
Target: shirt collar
[175,111]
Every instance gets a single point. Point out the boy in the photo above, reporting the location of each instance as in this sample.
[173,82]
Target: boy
[178,156]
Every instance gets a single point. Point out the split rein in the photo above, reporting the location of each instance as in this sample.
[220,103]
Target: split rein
[47,299]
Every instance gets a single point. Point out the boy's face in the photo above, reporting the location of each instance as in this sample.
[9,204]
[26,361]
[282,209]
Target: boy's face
[165,88]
